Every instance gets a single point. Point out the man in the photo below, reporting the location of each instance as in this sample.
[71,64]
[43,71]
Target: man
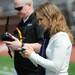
[31,34]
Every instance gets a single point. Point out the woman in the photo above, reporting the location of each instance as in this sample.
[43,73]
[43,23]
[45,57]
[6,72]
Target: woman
[59,47]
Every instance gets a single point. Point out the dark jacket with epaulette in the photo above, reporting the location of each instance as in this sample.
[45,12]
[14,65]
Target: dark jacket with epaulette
[31,33]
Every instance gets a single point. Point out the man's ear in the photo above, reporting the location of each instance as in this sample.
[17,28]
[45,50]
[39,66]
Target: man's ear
[29,4]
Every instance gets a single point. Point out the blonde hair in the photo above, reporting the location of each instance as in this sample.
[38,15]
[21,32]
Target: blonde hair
[57,22]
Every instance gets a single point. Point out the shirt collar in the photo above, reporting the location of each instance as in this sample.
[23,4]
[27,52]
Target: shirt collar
[25,19]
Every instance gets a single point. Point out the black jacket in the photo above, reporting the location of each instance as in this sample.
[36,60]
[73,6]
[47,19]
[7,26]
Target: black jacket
[31,33]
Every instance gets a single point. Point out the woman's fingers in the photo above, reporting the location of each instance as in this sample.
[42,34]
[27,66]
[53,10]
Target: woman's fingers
[7,42]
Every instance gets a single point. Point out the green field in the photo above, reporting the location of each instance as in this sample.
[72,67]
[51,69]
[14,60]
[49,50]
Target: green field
[72,69]
[7,67]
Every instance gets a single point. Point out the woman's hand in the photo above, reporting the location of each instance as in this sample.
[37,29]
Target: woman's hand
[28,51]
[13,44]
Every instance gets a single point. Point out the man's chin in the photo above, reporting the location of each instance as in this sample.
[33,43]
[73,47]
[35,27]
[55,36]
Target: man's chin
[20,16]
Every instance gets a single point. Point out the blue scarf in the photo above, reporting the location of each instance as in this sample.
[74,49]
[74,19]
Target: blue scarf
[43,51]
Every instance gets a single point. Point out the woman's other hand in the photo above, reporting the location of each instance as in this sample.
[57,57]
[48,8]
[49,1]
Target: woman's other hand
[27,52]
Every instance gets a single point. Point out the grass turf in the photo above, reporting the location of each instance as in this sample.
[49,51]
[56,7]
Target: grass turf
[6,64]
[72,69]
[6,61]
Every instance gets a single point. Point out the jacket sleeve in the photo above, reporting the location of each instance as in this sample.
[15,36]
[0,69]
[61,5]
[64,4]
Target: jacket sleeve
[39,33]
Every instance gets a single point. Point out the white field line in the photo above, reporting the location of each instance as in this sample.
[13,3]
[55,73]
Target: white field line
[7,73]
[3,47]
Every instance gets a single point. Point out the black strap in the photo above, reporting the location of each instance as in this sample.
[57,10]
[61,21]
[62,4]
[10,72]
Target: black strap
[6,30]
[9,51]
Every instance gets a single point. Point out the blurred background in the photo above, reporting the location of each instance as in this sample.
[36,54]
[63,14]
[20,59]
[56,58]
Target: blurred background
[9,20]
[7,9]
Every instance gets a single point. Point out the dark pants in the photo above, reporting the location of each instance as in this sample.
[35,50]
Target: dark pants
[34,74]
[30,74]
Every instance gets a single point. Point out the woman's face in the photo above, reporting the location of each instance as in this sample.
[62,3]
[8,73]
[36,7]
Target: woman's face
[43,21]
